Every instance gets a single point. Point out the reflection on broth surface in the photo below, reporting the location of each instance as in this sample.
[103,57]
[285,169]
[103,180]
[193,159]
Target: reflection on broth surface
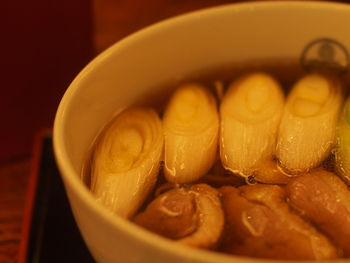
[246,160]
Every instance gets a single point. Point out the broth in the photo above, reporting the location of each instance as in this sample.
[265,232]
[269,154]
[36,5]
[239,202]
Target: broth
[286,72]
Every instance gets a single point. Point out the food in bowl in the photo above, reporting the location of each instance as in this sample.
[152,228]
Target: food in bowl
[129,150]
[247,165]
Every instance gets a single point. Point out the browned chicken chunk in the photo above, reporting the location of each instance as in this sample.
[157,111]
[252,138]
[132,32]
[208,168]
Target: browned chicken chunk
[172,214]
[259,223]
[193,216]
[324,199]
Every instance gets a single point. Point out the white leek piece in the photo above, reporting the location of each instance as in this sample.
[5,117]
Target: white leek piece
[307,129]
[191,126]
[126,160]
[342,153]
[250,114]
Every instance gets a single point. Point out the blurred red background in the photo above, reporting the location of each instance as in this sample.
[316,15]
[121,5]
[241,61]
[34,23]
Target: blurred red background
[45,43]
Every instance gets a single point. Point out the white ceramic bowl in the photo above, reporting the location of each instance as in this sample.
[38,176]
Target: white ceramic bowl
[160,54]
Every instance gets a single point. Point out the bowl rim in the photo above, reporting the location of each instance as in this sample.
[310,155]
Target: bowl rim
[71,178]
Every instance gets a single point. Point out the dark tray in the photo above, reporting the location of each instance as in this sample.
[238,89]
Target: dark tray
[53,235]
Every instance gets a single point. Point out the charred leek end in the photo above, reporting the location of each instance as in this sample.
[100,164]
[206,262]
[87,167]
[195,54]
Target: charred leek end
[191,126]
[342,153]
[307,129]
[270,173]
[126,160]
[250,114]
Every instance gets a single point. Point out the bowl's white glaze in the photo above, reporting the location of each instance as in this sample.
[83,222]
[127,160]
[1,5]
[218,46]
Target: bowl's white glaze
[156,55]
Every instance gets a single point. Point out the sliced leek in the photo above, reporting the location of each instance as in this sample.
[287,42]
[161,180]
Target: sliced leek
[342,153]
[126,160]
[250,113]
[191,126]
[307,129]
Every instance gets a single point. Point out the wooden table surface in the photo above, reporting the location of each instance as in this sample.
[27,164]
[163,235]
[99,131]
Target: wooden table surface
[13,185]
[111,20]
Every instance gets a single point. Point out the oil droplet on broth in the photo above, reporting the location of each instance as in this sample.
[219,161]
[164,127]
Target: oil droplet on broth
[250,180]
